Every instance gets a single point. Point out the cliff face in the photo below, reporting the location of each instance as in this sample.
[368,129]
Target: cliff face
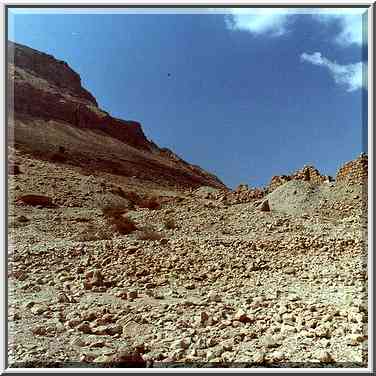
[55,72]
[47,88]
[47,91]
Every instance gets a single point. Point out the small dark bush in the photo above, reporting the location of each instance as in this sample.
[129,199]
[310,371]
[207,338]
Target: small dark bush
[123,225]
[132,197]
[114,211]
[36,200]
[13,169]
[169,223]
[114,217]
[58,157]
[149,203]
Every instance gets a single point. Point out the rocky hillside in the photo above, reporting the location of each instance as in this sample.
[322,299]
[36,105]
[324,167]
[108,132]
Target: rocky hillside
[307,173]
[308,179]
[196,283]
[111,265]
[55,118]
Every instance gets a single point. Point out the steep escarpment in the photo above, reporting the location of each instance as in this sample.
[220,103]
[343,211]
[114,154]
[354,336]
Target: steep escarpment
[49,109]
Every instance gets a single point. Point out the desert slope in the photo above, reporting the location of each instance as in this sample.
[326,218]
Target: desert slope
[99,275]
[52,110]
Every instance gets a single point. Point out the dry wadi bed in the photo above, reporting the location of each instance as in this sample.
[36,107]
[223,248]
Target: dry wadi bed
[197,282]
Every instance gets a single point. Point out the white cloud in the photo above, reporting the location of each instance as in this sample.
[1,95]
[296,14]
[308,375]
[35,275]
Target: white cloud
[272,21]
[275,21]
[349,75]
[351,26]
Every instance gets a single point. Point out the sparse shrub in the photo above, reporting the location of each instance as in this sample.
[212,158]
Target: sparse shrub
[123,225]
[169,223]
[149,203]
[36,200]
[114,217]
[132,197]
[14,223]
[22,219]
[13,169]
[82,220]
[113,211]
[58,157]
[149,234]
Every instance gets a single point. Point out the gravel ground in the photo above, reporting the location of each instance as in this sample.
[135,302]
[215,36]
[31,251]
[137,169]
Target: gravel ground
[220,286]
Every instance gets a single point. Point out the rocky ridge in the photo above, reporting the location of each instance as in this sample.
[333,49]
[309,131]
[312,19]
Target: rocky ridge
[47,101]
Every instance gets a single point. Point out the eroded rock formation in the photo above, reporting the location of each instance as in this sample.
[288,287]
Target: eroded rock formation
[48,92]
[307,173]
[354,172]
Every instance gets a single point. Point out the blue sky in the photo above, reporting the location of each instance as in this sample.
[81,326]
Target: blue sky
[245,94]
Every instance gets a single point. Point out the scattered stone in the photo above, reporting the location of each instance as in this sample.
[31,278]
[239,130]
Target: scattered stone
[214,297]
[264,207]
[62,298]
[97,344]
[36,200]
[325,357]
[84,328]
[22,219]
[78,342]
[270,342]
[132,294]
[114,329]
[97,279]
[259,357]
[39,330]
[356,339]
[242,317]
[39,309]
[129,357]
[89,316]
[277,356]
[73,323]
[290,270]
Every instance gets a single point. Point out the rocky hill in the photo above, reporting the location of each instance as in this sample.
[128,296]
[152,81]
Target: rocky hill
[100,274]
[54,115]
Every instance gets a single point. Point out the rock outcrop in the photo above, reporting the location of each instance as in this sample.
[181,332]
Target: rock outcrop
[307,173]
[49,89]
[243,194]
[48,92]
[354,172]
